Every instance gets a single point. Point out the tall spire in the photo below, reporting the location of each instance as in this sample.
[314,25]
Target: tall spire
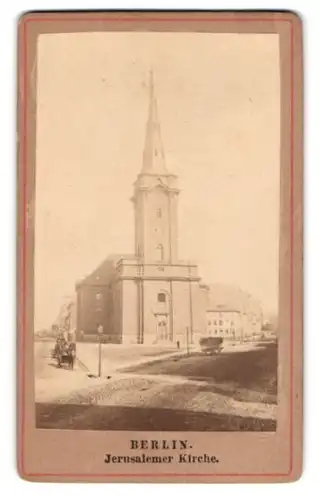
[153,155]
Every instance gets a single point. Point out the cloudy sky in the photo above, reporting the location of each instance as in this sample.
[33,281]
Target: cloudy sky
[218,97]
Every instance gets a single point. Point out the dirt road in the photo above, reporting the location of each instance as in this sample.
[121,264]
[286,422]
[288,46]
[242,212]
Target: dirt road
[158,396]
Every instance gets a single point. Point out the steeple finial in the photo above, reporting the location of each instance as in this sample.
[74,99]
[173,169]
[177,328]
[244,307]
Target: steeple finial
[153,156]
[151,84]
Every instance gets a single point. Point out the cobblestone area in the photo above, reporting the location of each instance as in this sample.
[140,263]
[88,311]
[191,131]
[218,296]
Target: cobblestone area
[107,389]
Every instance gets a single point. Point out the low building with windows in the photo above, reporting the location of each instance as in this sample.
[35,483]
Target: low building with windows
[223,322]
[232,313]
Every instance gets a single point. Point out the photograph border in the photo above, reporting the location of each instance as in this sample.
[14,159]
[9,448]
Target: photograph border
[23,148]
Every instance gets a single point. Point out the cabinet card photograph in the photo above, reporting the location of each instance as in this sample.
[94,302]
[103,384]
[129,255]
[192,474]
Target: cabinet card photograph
[160,247]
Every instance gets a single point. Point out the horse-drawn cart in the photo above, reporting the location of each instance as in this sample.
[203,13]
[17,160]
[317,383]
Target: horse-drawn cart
[211,345]
[65,353]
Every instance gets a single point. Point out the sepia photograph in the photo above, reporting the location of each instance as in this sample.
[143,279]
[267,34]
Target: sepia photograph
[156,208]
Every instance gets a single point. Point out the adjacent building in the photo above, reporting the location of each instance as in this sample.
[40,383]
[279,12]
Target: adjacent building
[66,320]
[232,313]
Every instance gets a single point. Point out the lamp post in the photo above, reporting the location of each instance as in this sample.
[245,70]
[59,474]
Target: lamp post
[187,339]
[100,331]
[99,298]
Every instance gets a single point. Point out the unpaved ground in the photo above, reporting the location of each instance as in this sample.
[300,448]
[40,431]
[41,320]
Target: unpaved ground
[141,398]
[248,375]
[155,403]
[52,382]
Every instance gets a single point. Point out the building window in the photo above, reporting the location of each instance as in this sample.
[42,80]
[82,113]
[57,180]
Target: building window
[227,331]
[99,302]
[215,322]
[216,332]
[221,331]
[161,297]
[209,323]
[220,322]
[159,213]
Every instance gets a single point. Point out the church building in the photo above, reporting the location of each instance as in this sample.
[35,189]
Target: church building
[151,296]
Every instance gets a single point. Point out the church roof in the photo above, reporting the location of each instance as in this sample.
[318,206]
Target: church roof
[153,155]
[104,272]
[224,297]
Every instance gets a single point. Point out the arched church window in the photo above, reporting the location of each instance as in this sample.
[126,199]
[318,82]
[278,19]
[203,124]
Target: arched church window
[99,302]
[160,252]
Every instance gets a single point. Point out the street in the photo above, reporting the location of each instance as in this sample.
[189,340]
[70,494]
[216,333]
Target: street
[161,390]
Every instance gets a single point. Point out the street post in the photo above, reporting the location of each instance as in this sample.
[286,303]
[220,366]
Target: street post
[187,339]
[99,299]
[100,332]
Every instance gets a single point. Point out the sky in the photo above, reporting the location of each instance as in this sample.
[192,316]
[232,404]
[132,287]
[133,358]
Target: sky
[219,107]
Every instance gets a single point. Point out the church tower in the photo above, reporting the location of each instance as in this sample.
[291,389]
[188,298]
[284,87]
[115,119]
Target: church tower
[155,196]
[155,295]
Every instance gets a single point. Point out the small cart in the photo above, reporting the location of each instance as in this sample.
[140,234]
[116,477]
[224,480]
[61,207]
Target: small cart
[65,353]
[211,345]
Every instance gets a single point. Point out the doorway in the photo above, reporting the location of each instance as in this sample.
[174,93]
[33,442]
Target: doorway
[162,328]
